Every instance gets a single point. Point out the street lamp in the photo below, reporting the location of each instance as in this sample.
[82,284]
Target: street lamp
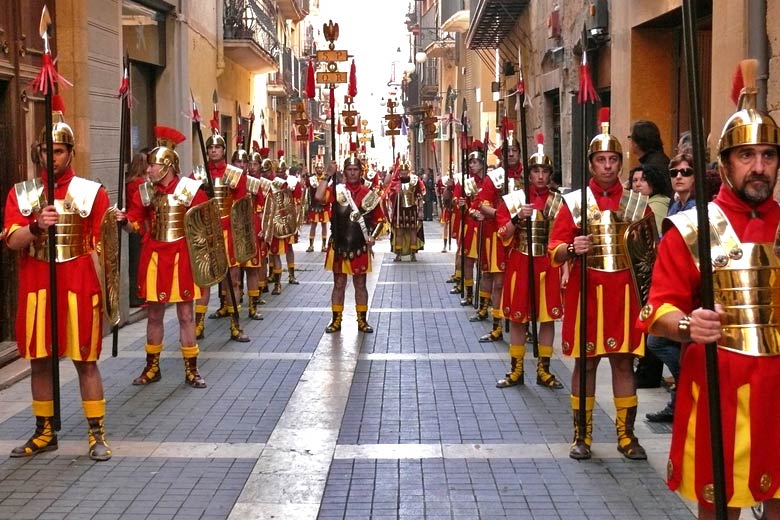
[420,57]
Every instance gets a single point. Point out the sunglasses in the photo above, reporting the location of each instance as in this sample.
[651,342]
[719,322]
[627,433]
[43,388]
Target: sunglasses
[685,172]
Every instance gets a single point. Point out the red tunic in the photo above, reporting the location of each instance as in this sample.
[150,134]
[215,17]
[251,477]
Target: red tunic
[493,250]
[79,298]
[164,271]
[749,385]
[262,246]
[547,278]
[612,301]
[471,225]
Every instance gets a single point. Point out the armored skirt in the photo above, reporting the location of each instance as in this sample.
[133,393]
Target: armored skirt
[515,300]
[79,298]
[612,303]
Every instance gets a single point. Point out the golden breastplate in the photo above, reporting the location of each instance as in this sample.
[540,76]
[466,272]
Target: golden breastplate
[69,236]
[540,235]
[407,195]
[609,249]
[224,195]
[746,287]
[168,220]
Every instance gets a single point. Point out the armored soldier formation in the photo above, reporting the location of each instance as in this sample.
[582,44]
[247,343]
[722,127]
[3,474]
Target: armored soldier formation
[528,255]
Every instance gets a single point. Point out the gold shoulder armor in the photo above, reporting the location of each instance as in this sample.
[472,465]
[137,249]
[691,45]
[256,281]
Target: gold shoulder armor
[186,190]
[514,201]
[553,205]
[199,173]
[146,190]
[632,206]
[252,184]
[497,177]
[370,201]
[81,196]
[30,196]
[232,176]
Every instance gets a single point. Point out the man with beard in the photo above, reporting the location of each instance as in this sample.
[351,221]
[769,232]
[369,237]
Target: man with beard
[355,211]
[744,222]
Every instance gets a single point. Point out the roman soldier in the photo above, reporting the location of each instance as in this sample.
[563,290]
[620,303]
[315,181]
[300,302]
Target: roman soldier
[78,208]
[744,222]
[404,194]
[612,296]
[317,212]
[355,212]
[541,207]
[256,267]
[281,221]
[229,186]
[165,273]
[466,195]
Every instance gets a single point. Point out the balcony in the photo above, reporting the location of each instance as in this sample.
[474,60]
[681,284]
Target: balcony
[454,16]
[248,37]
[295,10]
[429,87]
[492,21]
[280,84]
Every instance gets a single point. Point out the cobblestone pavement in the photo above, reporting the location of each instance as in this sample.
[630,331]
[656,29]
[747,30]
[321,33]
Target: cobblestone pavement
[403,423]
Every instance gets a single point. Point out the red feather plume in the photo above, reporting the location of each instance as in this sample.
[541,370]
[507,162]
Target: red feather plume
[279,154]
[57,104]
[265,152]
[603,116]
[255,146]
[737,84]
[169,134]
[587,93]
[539,139]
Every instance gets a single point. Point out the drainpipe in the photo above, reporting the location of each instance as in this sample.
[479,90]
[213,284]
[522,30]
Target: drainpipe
[220,5]
[758,46]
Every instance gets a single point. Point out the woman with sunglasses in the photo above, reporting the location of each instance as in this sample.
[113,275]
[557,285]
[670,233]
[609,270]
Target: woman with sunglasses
[668,351]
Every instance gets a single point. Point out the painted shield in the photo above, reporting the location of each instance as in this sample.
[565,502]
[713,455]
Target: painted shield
[206,246]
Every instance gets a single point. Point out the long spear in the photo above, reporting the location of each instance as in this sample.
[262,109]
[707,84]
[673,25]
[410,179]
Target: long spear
[706,294]
[528,223]
[452,176]
[587,94]
[46,82]
[248,140]
[464,150]
[124,132]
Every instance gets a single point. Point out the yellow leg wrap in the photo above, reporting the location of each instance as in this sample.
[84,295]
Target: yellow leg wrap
[625,431]
[361,307]
[545,351]
[253,292]
[515,376]
[190,351]
[590,402]
[43,408]
[484,294]
[153,349]
[497,314]
[201,308]
[337,308]
[469,283]
[94,409]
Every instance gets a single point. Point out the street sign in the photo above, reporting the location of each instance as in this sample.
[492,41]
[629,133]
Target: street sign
[325,56]
[331,77]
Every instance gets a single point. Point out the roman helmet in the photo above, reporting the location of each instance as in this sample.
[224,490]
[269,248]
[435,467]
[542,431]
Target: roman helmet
[165,152]
[540,158]
[748,125]
[604,142]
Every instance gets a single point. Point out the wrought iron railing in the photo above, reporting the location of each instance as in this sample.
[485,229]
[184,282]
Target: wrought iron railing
[247,20]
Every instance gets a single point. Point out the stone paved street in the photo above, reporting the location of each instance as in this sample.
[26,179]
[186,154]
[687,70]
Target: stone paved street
[298,424]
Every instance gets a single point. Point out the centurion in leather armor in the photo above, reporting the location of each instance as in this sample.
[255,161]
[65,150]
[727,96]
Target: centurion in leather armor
[350,241]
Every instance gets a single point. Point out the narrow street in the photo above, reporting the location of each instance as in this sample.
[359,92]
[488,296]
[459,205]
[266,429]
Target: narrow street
[298,424]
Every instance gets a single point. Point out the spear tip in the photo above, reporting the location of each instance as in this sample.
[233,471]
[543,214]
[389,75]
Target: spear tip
[43,26]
